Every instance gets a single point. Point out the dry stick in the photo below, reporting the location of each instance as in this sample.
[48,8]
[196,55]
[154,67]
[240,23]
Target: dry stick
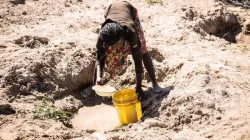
[225,34]
[30,43]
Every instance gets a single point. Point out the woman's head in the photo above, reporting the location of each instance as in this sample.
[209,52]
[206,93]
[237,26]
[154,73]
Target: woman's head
[111,33]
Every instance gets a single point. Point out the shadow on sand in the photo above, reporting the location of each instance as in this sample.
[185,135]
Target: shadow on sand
[151,105]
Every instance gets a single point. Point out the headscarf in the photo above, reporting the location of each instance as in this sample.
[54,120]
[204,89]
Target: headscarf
[111,33]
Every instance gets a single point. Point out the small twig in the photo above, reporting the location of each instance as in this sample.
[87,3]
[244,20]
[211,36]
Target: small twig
[30,43]
[225,34]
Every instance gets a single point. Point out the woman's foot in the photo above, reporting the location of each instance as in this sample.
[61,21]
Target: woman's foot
[158,90]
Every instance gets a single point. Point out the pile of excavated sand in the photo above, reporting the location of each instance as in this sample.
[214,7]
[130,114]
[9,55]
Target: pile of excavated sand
[200,49]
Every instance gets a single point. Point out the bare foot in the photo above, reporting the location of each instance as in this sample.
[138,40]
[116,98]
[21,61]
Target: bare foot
[159,90]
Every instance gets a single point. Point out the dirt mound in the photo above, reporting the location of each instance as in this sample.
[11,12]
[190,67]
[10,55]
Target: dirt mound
[244,36]
[31,42]
[51,71]
[69,103]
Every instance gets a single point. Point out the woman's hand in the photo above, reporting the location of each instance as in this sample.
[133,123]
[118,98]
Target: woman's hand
[99,81]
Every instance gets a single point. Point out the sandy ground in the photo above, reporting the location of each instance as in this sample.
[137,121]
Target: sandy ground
[47,50]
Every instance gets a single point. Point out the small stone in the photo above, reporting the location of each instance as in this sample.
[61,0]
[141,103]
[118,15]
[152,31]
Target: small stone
[196,117]
[210,104]
[167,103]
[198,112]
[168,114]
[209,136]
[176,129]
[190,14]
[186,120]
[199,103]
[96,30]
[209,90]
[224,93]
[207,80]
[24,13]
[66,5]
[183,9]
[219,109]
[174,111]
[218,117]
[61,49]
[223,49]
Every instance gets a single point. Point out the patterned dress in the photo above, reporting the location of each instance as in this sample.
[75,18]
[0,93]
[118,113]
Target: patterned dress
[116,57]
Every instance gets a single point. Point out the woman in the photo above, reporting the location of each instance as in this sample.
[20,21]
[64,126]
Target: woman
[121,34]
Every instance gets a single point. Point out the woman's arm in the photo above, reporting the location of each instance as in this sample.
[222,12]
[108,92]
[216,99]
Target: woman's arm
[131,36]
[99,62]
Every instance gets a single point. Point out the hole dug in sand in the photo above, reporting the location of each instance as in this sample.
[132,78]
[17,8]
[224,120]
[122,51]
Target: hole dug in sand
[225,26]
[97,118]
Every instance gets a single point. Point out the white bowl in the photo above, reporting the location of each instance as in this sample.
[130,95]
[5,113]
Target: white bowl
[104,90]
